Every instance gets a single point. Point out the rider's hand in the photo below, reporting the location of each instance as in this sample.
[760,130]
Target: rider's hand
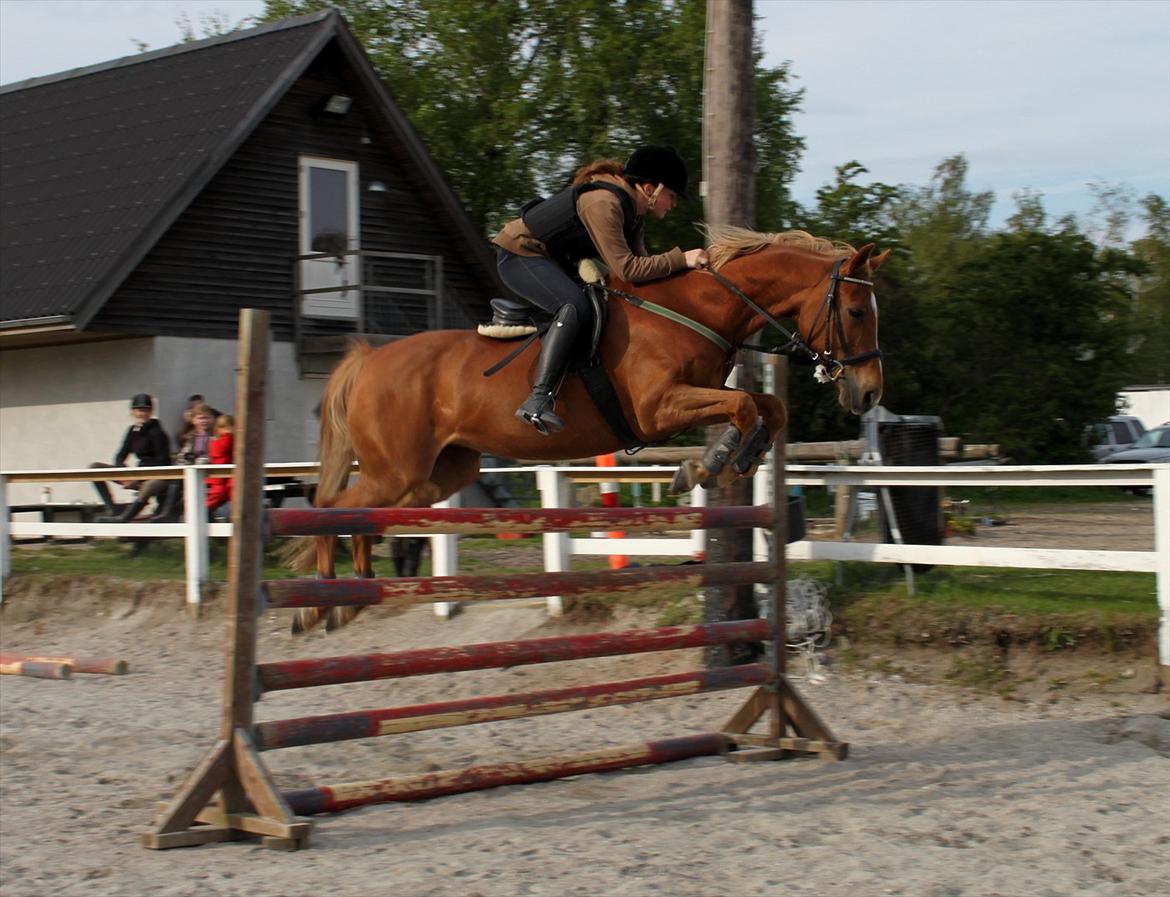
[696,258]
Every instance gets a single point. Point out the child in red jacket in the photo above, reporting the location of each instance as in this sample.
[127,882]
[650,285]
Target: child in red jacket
[219,489]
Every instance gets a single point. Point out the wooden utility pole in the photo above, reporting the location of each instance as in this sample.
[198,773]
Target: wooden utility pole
[729,159]
[728,191]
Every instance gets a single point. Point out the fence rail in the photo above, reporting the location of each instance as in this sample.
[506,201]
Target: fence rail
[554,484]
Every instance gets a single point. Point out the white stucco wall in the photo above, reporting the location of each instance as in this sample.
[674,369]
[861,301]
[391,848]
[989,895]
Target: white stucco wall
[63,407]
[1149,403]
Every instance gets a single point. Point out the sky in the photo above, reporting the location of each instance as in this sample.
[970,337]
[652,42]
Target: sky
[1047,96]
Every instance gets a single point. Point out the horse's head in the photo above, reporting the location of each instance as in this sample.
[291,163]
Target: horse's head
[840,326]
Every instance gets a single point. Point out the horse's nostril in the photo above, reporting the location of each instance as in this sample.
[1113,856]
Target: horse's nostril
[867,400]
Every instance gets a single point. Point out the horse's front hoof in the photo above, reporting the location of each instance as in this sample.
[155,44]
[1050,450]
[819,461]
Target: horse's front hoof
[690,474]
[685,478]
[753,449]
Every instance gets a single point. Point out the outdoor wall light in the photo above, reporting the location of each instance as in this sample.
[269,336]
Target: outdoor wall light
[337,105]
[375,187]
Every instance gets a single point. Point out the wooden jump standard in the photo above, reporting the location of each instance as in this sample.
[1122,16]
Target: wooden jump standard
[233,776]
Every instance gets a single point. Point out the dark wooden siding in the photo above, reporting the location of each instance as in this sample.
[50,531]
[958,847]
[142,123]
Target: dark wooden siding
[235,245]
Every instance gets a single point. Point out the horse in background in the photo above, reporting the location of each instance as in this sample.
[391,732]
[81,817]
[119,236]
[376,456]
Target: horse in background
[417,413]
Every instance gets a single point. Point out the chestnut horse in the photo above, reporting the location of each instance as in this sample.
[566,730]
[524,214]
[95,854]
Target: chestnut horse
[417,413]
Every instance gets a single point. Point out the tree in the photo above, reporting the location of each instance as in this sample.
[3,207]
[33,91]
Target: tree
[510,98]
[1150,346]
[1032,344]
[942,224]
[857,213]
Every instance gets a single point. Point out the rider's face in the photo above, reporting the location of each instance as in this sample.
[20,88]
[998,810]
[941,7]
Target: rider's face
[667,200]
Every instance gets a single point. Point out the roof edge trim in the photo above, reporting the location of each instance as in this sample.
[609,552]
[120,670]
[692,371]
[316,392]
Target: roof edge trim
[173,50]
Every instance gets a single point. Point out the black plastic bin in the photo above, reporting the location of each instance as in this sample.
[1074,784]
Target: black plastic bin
[912,441]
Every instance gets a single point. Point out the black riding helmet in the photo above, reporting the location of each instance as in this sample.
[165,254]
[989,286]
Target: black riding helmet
[142,400]
[658,165]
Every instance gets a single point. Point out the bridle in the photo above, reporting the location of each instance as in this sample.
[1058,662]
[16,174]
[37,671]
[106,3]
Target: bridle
[827,368]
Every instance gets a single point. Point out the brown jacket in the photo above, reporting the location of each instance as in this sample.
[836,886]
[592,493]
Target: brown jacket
[601,213]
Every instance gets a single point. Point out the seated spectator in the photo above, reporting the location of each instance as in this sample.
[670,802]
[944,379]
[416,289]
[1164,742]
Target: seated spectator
[147,441]
[219,489]
[196,449]
[184,428]
[407,554]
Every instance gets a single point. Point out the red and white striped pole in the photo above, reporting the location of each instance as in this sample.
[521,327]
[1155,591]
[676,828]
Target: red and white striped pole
[611,498]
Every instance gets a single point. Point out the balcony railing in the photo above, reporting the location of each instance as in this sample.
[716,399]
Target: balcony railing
[375,294]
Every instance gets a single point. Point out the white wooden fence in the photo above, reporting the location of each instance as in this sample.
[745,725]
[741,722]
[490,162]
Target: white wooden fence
[554,484]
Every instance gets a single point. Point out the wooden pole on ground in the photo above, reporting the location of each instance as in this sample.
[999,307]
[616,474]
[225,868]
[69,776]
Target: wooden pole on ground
[76,664]
[246,799]
[34,669]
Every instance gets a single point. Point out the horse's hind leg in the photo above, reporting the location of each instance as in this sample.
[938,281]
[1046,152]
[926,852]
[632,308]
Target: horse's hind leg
[363,568]
[455,468]
[363,557]
[308,617]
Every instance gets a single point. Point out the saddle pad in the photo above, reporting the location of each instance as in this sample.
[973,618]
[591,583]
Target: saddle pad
[505,331]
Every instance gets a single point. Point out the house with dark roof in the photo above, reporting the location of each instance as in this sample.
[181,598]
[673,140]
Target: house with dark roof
[145,201]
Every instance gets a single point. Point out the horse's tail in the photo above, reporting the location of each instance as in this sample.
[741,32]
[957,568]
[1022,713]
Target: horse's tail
[335,451]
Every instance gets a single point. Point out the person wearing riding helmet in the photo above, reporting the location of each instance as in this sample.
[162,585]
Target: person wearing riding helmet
[600,215]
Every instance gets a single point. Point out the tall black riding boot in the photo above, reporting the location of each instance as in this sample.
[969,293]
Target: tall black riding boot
[556,347]
[103,491]
[132,511]
[171,505]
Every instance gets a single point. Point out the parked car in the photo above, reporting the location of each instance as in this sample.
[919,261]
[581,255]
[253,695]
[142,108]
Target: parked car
[1114,435]
[1153,447]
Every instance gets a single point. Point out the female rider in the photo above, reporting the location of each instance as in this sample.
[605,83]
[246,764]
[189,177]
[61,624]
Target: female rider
[600,215]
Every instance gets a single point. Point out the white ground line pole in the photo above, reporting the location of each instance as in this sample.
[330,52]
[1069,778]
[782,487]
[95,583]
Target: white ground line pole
[445,558]
[699,536]
[5,537]
[195,538]
[554,493]
[1162,560]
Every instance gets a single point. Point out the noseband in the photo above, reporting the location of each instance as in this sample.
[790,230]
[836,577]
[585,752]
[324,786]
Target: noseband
[827,367]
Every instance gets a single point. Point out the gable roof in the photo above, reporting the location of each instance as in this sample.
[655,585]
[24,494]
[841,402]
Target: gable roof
[96,163]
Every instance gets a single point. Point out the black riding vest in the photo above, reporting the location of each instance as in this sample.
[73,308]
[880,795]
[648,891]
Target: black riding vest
[554,222]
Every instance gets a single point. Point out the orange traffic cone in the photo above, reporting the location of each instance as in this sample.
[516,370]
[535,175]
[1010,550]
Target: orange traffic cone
[611,498]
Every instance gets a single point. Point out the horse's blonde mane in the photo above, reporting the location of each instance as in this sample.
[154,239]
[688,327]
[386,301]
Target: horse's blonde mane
[726,242]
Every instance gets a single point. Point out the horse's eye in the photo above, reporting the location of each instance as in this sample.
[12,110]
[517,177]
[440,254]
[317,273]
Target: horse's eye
[857,313]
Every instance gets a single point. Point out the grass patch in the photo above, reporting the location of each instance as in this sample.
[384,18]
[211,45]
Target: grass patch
[983,674]
[159,560]
[1053,610]
[1050,610]
[1038,495]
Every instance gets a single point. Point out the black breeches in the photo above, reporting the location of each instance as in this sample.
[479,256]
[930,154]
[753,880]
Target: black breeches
[542,282]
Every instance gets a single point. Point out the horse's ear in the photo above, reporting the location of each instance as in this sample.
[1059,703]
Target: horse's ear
[857,261]
[877,261]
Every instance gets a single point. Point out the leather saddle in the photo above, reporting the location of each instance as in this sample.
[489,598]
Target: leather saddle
[512,320]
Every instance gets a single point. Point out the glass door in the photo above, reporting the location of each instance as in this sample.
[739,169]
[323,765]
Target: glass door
[328,231]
